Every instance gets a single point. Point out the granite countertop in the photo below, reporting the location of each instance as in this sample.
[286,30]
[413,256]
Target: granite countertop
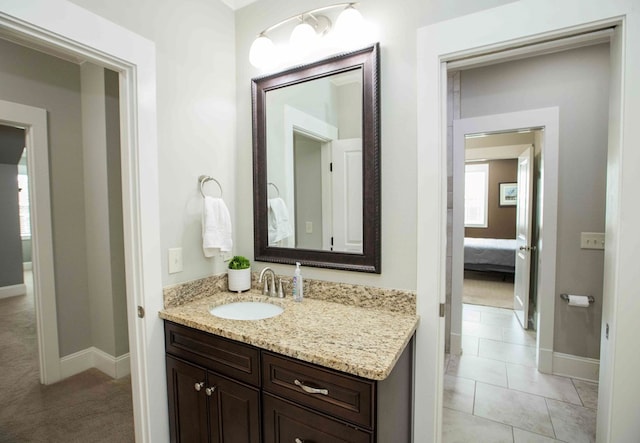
[361,341]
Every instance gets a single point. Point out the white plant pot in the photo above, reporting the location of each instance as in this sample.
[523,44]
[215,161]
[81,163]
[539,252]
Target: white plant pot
[239,279]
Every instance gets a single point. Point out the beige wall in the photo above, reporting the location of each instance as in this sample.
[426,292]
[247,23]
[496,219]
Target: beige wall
[196,111]
[501,219]
[560,80]
[103,210]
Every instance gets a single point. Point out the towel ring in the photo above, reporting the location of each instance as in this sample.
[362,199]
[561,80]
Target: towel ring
[205,178]
[277,190]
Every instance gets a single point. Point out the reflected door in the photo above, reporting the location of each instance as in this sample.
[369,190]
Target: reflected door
[346,156]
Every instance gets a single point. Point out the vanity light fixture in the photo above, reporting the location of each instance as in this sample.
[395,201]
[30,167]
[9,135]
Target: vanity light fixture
[310,29]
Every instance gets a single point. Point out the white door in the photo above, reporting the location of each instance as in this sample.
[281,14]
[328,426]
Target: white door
[523,237]
[346,157]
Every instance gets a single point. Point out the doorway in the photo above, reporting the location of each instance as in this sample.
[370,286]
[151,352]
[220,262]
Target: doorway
[490,198]
[555,184]
[97,336]
[529,23]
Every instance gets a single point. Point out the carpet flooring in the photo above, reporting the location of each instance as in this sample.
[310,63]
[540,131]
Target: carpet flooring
[88,407]
[488,289]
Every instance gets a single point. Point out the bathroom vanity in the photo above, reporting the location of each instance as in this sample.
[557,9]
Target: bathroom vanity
[319,372]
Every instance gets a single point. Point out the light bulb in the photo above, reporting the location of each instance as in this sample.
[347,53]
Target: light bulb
[262,52]
[350,26]
[303,37]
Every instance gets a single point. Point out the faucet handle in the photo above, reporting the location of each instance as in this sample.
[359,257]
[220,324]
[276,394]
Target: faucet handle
[265,290]
[272,293]
[280,291]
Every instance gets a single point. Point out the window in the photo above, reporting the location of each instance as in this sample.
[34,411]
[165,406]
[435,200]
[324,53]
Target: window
[476,195]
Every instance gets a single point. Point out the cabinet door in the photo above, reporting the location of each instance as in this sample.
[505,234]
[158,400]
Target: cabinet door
[187,402]
[234,411]
[285,422]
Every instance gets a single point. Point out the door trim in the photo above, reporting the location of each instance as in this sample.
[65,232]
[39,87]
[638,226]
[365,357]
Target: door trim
[68,29]
[34,120]
[549,119]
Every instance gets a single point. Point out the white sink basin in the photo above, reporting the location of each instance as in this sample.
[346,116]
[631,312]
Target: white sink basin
[246,310]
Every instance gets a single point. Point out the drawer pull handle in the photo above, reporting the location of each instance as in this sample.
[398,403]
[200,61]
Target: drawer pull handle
[310,390]
[198,386]
[210,391]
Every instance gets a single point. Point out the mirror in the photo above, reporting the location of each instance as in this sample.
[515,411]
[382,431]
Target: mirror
[316,157]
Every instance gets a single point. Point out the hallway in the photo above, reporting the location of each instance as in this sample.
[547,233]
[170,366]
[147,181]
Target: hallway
[494,393]
[86,407]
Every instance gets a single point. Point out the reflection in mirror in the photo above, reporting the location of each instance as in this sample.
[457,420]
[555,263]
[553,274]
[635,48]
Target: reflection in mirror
[316,164]
[314,158]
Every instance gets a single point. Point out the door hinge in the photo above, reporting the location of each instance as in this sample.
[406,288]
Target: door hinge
[442,310]
[140,312]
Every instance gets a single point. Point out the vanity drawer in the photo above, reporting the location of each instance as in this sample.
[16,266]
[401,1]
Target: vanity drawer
[226,357]
[325,390]
[285,422]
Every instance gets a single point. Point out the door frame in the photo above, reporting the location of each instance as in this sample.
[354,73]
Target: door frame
[549,119]
[34,122]
[61,27]
[511,26]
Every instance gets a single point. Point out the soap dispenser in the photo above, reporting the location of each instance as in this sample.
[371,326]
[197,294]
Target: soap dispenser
[297,284]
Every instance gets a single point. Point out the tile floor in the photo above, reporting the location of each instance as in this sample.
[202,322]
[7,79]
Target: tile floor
[494,393]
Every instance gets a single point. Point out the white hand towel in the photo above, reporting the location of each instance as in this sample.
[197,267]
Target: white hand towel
[216,226]
[278,217]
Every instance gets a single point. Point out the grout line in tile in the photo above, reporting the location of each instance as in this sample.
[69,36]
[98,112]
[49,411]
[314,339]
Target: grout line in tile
[553,428]
[578,392]
[475,391]
[480,417]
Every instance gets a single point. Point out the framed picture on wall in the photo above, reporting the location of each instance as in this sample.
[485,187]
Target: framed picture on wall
[508,194]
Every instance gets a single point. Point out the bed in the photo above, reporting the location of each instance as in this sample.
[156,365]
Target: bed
[490,255]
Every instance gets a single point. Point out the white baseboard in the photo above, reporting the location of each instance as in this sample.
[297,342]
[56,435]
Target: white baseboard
[573,366]
[545,360]
[27,266]
[13,290]
[114,367]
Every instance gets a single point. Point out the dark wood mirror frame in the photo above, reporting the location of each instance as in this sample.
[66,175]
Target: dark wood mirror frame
[370,260]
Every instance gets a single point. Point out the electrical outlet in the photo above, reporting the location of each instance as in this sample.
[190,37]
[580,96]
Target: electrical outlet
[175,260]
[592,240]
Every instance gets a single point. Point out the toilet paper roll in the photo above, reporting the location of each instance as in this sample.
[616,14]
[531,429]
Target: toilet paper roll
[581,301]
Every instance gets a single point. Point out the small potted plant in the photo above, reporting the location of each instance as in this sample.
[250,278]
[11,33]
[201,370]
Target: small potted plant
[239,274]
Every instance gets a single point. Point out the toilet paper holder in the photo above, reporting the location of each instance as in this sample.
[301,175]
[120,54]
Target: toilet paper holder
[565,297]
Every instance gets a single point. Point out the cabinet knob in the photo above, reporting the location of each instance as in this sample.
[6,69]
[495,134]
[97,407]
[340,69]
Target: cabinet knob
[198,386]
[210,391]
[297,440]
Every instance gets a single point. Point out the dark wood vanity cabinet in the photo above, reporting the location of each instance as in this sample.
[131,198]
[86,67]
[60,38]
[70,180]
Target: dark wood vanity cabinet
[261,396]
[205,405]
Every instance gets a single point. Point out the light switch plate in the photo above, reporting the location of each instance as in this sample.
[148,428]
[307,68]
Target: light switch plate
[592,240]
[175,260]
[309,227]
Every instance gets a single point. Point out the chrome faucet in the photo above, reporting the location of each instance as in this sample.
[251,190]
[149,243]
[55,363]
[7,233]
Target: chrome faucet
[266,291]
[271,292]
